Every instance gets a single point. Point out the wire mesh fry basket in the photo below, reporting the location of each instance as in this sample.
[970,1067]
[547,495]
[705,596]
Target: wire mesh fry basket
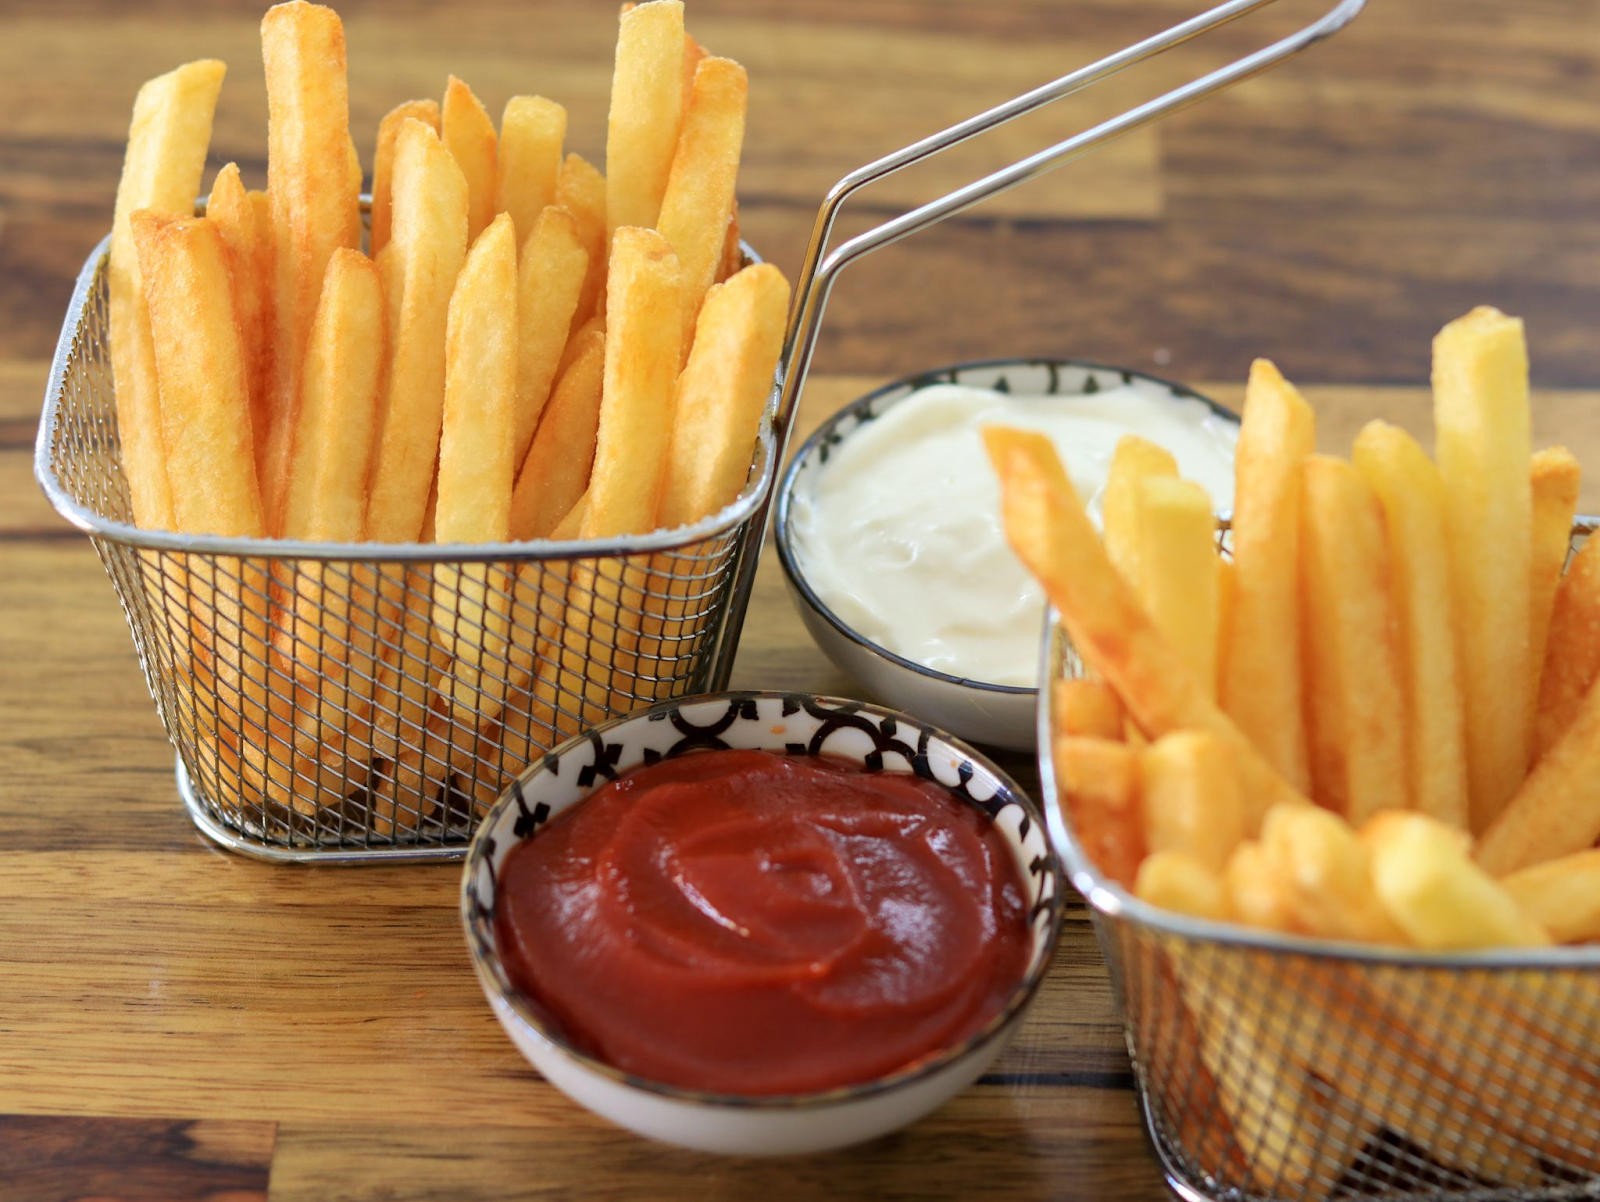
[343,703]
[1284,1068]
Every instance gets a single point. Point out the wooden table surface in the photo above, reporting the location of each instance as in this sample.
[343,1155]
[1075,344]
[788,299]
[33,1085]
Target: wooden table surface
[179,1023]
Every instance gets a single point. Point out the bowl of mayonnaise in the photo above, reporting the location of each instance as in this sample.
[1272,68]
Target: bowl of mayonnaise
[888,525]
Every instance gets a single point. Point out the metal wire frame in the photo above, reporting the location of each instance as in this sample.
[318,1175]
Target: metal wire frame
[1276,1068]
[297,681]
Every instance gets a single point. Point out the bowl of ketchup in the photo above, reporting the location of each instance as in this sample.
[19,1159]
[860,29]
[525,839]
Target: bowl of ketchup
[761,923]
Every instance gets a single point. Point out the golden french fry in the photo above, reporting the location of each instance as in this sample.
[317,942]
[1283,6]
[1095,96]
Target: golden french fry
[550,278]
[1182,883]
[167,142]
[1557,810]
[581,191]
[1086,707]
[698,202]
[1256,897]
[646,110]
[1099,784]
[1261,685]
[1324,875]
[205,429]
[1572,648]
[532,130]
[1412,494]
[1554,480]
[333,660]
[1189,797]
[261,206]
[577,341]
[231,210]
[315,206]
[1227,589]
[1426,880]
[555,472]
[468,134]
[722,394]
[1133,462]
[429,245]
[1481,440]
[1178,579]
[425,111]
[693,54]
[476,467]
[645,294]
[1048,528]
[1354,705]
[1563,896]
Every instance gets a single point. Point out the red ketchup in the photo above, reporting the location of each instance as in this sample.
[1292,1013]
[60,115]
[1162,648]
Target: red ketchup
[742,922]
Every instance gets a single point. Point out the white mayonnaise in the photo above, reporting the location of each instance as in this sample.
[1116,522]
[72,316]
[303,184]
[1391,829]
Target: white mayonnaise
[900,535]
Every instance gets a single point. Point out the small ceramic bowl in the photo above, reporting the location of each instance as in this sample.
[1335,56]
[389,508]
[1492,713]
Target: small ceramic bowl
[992,714]
[794,724]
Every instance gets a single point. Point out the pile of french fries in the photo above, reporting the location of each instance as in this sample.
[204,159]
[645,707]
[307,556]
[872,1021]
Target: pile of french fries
[520,348]
[1374,717]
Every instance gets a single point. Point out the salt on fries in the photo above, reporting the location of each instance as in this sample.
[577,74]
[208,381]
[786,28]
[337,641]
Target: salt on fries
[526,349]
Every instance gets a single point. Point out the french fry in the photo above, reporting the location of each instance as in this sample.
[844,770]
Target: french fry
[200,363]
[1133,462]
[1562,896]
[1227,589]
[425,111]
[205,429]
[230,209]
[532,130]
[1557,810]
[1048,528]
[581,191]
[698,203]
[428,247]
[555,472]
[1256,896]
[1189,798]
[1554,480]
[1086,707]
[315,206]
[693,54]
[468,134]
[1427,882]
[1409,488]
[722,394]
[1261,685]
[470,609]
[167,142]
[550,279]
[1572,651]
[1178,579]
[1182,883]
[1099,783]
[645,294]
[1324,876]
[1354,704]
[646,111]
[1481,441]
[261,206]
[333,661]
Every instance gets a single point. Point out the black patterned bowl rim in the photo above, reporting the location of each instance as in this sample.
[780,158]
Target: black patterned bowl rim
[938,375]
[486,958]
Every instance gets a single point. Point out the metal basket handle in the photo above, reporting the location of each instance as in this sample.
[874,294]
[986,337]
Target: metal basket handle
[818,273]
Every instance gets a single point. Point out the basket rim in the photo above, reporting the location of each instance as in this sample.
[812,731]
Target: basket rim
[110,530]
[1116,904]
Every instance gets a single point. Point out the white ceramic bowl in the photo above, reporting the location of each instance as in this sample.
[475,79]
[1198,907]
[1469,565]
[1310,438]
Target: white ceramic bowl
[797,724]
[992,714]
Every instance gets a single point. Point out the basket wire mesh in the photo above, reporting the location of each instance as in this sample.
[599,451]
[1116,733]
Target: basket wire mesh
[371,701]
[1279,1068]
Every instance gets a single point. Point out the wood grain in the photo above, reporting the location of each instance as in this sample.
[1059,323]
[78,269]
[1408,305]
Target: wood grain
[174,1019]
